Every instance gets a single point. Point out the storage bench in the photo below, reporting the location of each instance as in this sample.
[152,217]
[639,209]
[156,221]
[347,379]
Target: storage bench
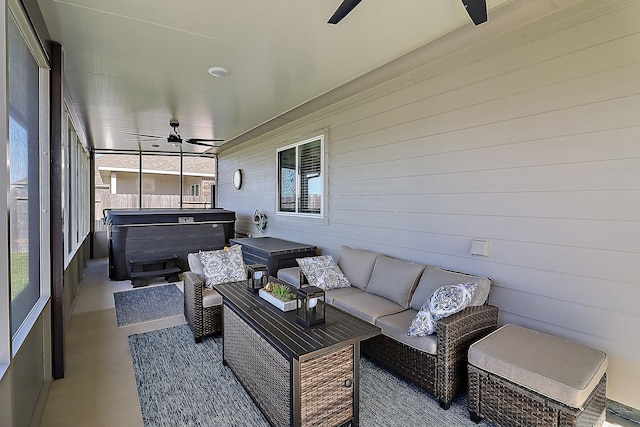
[521,377]
[272,252]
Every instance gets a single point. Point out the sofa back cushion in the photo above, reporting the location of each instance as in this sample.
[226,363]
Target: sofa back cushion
[357,265]
[394,279]
[195,265]
[434,277]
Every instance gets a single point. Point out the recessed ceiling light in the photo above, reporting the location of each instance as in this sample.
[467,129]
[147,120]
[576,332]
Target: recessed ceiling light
[218,71]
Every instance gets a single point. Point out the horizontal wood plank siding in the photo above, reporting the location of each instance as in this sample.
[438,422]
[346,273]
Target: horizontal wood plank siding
[534,147]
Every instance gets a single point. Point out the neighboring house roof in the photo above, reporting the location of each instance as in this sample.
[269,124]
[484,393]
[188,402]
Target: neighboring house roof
[154,171]
[159,165]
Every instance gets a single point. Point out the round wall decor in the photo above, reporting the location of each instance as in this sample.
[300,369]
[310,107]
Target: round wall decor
[237,179]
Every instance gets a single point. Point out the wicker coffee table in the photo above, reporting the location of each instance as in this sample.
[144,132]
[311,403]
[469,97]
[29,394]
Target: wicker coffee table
[297,376]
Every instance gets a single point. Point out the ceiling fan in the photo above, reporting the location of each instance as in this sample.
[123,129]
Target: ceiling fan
[477,10]
[175,138]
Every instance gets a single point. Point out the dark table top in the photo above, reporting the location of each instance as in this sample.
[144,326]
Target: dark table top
[273,245]
[282,331]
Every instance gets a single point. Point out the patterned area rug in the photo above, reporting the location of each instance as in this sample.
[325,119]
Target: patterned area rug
[147,304]
[183,383]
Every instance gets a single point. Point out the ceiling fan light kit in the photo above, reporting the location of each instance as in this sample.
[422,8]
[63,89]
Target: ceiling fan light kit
[218,71]
[477,10]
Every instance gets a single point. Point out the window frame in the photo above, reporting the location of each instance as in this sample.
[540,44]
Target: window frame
[5,291]
[182,188]
[10,345]
[323,179]
[75,180]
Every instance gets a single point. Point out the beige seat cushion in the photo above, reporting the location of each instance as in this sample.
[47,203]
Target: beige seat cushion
[210,298]
[560,369]
[332,294]
[395,326]
[367,306]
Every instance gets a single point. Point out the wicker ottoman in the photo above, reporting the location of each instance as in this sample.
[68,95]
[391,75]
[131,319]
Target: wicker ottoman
[521,377]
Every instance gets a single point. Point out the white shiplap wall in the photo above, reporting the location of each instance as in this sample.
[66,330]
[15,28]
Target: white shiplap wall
[535,148]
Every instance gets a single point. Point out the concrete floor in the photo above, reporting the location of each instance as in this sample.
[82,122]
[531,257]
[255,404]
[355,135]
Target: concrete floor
[99,387]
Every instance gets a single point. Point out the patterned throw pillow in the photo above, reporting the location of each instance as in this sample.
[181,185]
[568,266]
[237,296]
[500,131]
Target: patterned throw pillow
[445,301]
[451,299]
[223,266]
[423,324]
[322,271]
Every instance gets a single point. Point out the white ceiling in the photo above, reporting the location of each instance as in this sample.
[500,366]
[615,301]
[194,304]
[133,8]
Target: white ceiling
[131,65]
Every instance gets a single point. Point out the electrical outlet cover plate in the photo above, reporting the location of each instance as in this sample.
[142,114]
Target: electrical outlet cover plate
[480,248]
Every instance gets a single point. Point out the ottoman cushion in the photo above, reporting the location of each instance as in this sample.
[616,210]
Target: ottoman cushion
[562,370]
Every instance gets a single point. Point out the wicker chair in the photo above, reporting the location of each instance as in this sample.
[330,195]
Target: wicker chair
[203,321]
[443,375]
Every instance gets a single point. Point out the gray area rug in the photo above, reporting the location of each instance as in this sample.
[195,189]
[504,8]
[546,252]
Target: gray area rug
[181,383]
[147,304]
[623,411]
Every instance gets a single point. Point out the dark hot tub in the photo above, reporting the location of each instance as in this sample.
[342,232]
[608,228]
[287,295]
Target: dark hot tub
[160,233]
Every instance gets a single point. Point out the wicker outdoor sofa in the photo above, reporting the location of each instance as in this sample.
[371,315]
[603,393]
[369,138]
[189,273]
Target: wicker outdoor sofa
[444,374]
[388,293]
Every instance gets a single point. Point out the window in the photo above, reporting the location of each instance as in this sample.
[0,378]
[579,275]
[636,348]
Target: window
[169,180]
[28,176]
[76,165]
[301,178]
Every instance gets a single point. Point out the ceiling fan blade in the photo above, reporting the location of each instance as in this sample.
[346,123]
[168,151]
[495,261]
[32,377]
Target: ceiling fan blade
[343,10]
[477,10]
[143,135]
[143,140]
[199,142]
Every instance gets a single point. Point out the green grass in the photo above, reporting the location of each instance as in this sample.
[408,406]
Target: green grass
[19,273]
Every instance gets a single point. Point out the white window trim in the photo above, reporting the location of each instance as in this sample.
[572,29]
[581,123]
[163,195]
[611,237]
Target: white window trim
[323,174]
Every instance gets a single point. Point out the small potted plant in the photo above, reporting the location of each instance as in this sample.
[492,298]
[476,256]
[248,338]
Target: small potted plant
[279,295]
